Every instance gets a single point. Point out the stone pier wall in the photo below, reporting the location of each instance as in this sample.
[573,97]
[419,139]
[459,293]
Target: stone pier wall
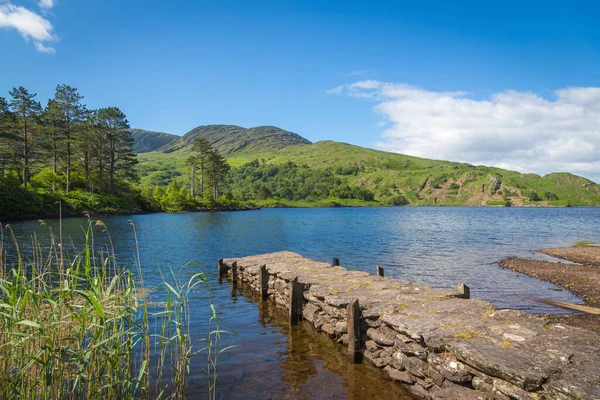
[438,345]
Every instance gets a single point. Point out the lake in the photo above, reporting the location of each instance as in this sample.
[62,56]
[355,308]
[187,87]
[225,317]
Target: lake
[437,246]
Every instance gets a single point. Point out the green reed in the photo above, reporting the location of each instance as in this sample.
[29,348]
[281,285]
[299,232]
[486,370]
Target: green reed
[83,327]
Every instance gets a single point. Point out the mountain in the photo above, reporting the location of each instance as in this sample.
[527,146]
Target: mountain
[146,141]
[434,182]
[228,139]
[392,178]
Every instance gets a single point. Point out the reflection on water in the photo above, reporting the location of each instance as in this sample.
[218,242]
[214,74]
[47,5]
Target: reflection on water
[305,365]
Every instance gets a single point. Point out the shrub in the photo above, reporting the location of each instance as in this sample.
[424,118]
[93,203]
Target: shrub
[16,201]
[533,196]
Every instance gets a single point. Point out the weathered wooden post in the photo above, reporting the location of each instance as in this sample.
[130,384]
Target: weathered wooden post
[464,291]
[264,282]
[234,273]
[295,302]
[221,267]
[336,262]
[380,271]
[354,334]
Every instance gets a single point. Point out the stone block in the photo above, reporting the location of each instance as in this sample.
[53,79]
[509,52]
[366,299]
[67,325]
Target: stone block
[450,368]
[500,363]
[512,391]
[400,376]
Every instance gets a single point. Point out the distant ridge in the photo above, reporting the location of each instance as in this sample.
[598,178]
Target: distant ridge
[146,141]
[228,139]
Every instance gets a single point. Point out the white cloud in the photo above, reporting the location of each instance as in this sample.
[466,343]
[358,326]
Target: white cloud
[43,48]
[515,130]
[29,24]
[46,4]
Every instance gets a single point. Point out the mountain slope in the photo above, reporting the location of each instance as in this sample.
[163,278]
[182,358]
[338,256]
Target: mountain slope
[228,139]
[434,182]
[389,176]
[146,141]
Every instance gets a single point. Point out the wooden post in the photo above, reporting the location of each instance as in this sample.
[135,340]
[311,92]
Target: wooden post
[264,282]
[220,267]
[234,273]
[380,271]
[336,262]
[464,291]
[295,302]
[354,334]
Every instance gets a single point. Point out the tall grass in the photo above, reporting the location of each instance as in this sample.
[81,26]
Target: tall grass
[78,325]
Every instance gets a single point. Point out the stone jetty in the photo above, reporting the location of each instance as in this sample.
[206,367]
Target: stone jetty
[438,343]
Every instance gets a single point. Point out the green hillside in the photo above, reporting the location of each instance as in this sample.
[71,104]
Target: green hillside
[309,173]
[145,141]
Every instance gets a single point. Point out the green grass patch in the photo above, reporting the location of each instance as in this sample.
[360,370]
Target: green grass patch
[585,244]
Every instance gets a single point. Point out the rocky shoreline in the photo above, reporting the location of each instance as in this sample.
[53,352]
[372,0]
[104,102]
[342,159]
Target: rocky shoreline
[582,278]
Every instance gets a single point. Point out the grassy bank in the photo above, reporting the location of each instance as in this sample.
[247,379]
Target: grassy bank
[79,325]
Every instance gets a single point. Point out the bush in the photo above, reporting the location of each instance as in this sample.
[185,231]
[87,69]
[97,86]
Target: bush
[46,179]
[534,196]
[81,200]
[398,200]
[16,201]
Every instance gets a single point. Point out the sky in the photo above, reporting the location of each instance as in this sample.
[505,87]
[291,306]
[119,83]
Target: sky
[513,84]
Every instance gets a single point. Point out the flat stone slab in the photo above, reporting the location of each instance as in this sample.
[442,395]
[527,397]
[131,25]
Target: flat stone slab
[527,352]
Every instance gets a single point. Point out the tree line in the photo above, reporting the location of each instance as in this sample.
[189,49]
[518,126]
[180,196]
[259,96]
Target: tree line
[290,181]
[64,145]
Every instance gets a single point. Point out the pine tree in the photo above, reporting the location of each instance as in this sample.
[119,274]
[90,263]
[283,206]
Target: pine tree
[7,136]
[192,161]
[72,113]
[120,156]
[217,169]
[51,122]
[88,146]
[27,111]
[202,150]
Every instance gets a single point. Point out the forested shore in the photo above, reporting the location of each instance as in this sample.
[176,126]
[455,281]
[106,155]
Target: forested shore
[66,159]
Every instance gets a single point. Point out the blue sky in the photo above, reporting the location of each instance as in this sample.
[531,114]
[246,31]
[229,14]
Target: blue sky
[421,71]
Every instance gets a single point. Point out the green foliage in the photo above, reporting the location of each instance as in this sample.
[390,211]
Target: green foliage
[398,200]
[175,198]
[533,196]
[550,196]
[208,199]
[263,193]
[287,181]
[16,201]
[78,200]
[354,192]
[48,180]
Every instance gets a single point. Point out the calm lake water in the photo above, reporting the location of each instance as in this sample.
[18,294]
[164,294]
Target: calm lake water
[437,246]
